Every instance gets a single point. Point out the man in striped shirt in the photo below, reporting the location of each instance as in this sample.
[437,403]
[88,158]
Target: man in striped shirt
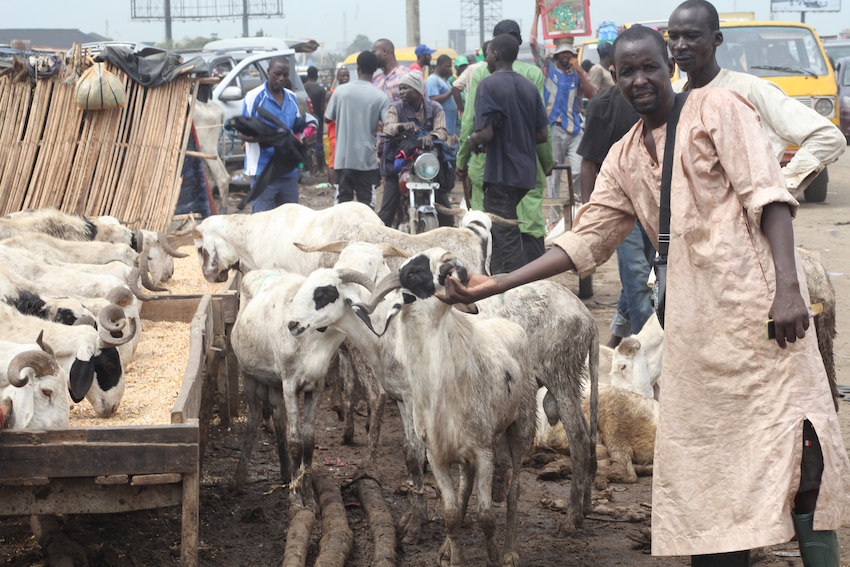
[566,83]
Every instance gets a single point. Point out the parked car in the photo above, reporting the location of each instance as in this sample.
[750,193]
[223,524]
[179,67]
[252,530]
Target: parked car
[842,74]
[837,48]
[790,55]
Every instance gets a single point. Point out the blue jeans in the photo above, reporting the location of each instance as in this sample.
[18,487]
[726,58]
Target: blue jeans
[634,259]
[278,192]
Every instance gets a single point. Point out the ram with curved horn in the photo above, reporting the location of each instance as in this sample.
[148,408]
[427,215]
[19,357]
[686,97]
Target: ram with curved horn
[455,212]
[144,273]
[35,386]
[277,368]
[562,336]
[89,356]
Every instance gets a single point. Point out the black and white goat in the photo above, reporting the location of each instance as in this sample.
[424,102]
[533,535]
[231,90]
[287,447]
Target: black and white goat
[470,386]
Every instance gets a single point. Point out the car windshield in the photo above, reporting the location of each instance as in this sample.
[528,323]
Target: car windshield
[590,53]
[837,51]
[771,51]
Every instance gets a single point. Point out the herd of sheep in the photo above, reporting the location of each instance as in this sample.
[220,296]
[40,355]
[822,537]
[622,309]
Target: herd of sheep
[475,385]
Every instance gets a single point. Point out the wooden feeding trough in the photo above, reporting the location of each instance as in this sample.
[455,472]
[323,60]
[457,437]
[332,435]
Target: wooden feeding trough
[95,470]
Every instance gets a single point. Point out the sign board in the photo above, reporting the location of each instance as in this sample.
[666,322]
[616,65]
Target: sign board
[805,5]
[566,18]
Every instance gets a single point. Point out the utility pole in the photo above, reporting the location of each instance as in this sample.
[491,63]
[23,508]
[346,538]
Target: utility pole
[413,36]
[481,22]
[244,18]
[167,8]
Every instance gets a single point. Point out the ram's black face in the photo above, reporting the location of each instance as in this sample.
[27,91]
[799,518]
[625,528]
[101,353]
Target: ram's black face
[416,276]
[324,296]
[107,368]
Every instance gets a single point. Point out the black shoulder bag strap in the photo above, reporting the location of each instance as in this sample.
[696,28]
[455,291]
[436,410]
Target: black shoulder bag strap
[664,220]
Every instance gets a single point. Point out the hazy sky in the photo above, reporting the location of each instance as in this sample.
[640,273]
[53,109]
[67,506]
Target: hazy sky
[322,20]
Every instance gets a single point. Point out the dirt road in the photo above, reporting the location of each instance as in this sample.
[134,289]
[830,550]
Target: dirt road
[250,529]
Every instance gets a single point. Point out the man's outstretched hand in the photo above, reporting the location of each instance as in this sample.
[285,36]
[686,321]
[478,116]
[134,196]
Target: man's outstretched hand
[478,286]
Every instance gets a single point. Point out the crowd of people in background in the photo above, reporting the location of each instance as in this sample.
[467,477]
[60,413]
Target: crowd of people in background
[511,122]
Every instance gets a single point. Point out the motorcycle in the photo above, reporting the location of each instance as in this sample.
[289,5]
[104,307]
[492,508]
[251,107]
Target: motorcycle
[418,182]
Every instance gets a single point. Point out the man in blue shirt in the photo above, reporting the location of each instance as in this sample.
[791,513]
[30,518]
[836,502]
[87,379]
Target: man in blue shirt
[282,103]
[439,90]
[566,82]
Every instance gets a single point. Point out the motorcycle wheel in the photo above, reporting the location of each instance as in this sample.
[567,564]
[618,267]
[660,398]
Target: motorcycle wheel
[426,223]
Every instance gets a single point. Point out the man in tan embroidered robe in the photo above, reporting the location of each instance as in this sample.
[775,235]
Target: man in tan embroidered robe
[733,404]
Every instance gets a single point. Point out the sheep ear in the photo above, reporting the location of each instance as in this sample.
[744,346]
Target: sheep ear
[471,309]
[81,377]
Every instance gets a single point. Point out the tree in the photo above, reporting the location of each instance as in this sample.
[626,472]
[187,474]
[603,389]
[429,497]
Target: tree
[259,33]
[360,43]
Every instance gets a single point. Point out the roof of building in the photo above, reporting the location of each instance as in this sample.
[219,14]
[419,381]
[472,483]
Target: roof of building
[60,39]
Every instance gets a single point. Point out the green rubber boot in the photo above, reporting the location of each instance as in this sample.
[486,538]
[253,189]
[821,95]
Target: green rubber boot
[818,549]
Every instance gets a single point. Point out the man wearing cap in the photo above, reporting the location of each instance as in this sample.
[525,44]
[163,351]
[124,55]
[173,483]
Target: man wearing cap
[566,83]
[423,59]
[387,81]
[437,88]
[530,208]
[600,74]
[408,115]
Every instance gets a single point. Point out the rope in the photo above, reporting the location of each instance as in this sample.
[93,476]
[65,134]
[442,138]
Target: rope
[293,486]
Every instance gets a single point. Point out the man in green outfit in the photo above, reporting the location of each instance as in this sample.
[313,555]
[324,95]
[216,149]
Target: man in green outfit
[530,209]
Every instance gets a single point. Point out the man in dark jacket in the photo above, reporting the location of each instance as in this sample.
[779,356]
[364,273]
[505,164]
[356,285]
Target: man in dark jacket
[410,113]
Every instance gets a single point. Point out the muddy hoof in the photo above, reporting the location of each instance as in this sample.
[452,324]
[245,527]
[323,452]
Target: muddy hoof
[444,556]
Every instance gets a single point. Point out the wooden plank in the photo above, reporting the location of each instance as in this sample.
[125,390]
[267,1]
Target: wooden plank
[96,459]
[131,434]
[112,479]
[215,354]
[188,401]
[34,481]
[85,496]
[189,528]
[152,479]
[183,307]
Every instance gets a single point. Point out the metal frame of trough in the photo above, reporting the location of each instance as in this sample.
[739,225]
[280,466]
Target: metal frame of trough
[96,470]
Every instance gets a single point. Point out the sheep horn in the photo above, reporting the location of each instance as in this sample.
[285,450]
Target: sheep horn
[146,279]
[385,286]
[188,230]
[140,241]
[390,251]
[503,221]
[449,211]
[112,318]
[41,363]
[128,223]
[353,276]
[331,247]
[163,241]
[109,341]
[133,284]
[44,346]
[86,320]
[120,296]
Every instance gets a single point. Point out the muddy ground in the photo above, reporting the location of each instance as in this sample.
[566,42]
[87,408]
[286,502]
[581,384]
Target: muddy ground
[250,529]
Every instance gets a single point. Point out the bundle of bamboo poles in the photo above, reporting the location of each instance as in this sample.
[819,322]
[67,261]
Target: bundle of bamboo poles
[123,162]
